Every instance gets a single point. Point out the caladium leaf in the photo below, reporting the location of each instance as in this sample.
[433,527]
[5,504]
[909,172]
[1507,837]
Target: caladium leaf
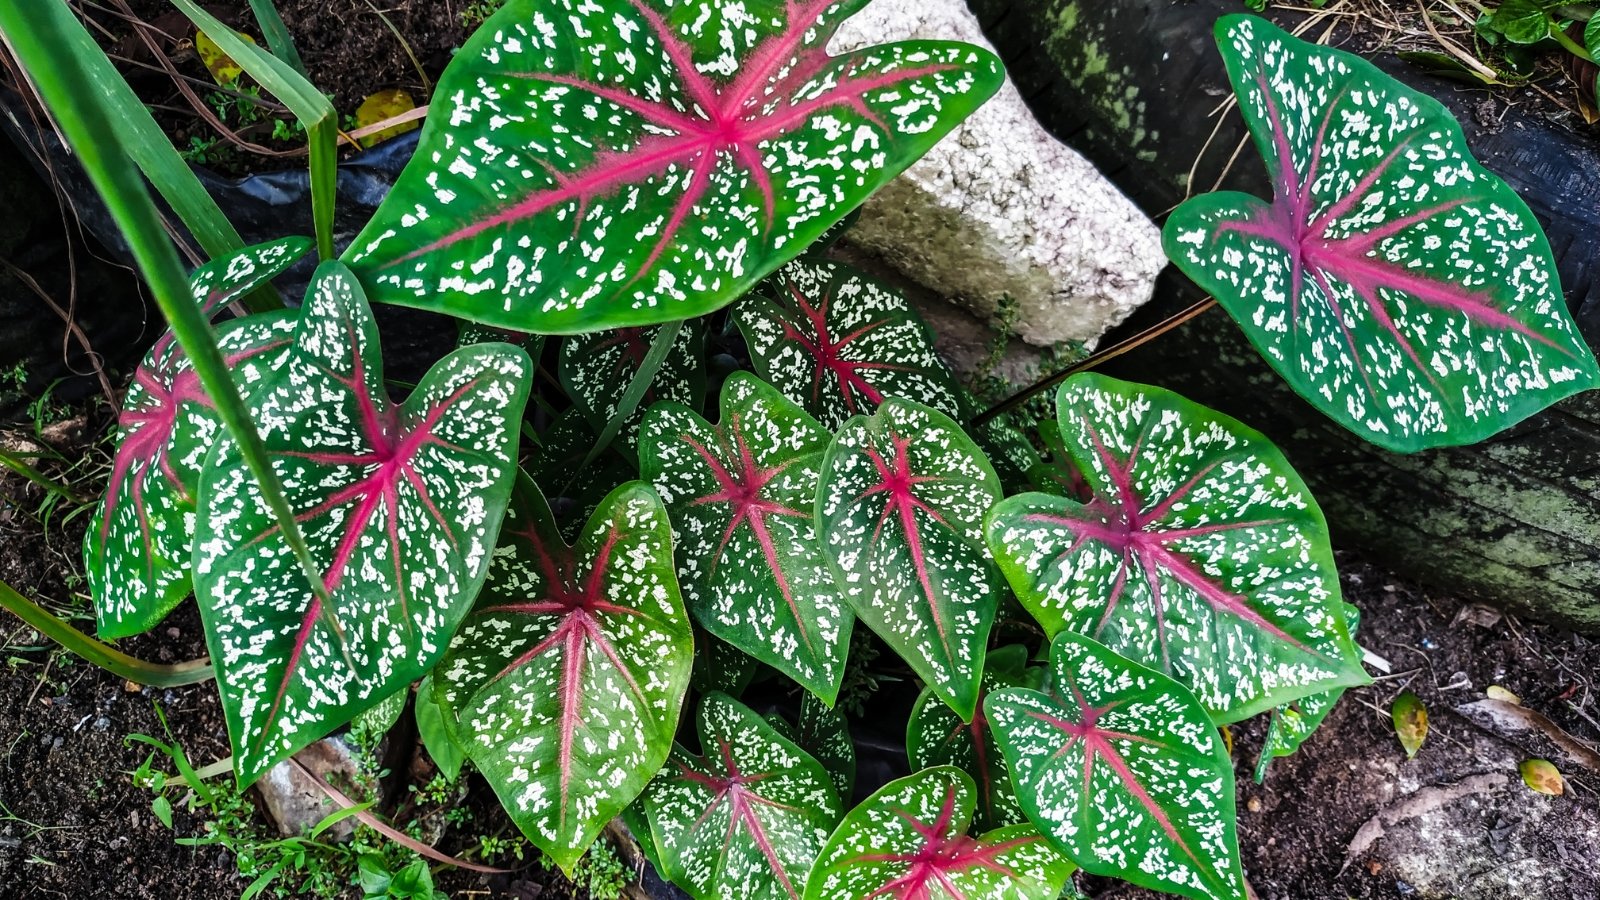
[746,820]
[567,678]
[400,506]
[824,733]
[1120,766]
[630,162]
[473,333]
[1056,473]
[595,370]
[718,666]
[1398,286]
[1292,723]
[1201,555]
[838,343]
[437,733]
[742,496]
[936,736]
[137,551]
[900,513]
[909,841]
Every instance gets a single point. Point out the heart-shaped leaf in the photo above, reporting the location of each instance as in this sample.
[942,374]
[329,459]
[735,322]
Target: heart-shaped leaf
[595,370]
[742,496]
[1120,766]
[1201,555]
[630,162]
[746,820]
[936,736]
[825,734]
[137,551]
[400,507]
[1292,723]
[567,677]
[575,491]
[1393,282]
[909,841]
[900,513]
[838,343]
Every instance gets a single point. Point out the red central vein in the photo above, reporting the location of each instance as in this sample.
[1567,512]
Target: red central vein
[944,851]
[896,482]
[724,121]
[828,354]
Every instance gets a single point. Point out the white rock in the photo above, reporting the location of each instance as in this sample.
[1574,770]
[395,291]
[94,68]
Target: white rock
[1000,208]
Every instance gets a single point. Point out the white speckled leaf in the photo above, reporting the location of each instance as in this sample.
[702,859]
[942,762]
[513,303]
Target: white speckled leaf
[399,506]
[136,552]
[746,820]
[1121,768]
[1202,554]
[473,333]
[568,676]
[900,513]
[557,467]
[909,841]
[1292,723]
[838,342]
[742,495]
[1397,285]
[595,370]
[825,734]
[594,164]
[936,736]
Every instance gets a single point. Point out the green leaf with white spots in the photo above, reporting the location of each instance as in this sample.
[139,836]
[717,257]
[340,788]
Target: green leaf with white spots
[742,495]
[137,550]
[719,666]
[1201,554]
[838,343]
[472,333]
[825,734]
[399,505]
[1121,768]
[746,820]
[1292,723]
[910,841]
[595,370]
[1397,285]
[567,678]
[900,513]
[610,163]
[936,736]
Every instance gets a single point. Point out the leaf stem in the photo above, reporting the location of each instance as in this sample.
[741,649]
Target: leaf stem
[637,388]
[103,655]
[1094,359]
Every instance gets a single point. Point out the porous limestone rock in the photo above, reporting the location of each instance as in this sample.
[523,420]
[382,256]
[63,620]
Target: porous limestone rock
[1000,209]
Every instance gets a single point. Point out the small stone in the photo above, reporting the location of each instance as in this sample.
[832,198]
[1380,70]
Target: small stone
[1001,209]
[296,803]
[1253,804]
[132,687]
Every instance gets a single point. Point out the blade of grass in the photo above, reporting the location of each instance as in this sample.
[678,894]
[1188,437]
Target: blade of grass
[16,464]
[103,655]
[80,111]
[277,35]
[150,148]
[308,104]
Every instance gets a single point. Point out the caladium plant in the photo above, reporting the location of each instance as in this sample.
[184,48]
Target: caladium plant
[838,342]
[900,513]
[630,162]
[747,818]
[742,496]
[567,677]
[400,507]
[1121,767]
[137,551]
[1201,555]
[824,733]
[909,841]
[595,370]
[936,736]
[1392,281]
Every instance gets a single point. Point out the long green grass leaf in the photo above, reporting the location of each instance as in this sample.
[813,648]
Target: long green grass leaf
[277,35]
[308,104]
[82,112]
[103,655]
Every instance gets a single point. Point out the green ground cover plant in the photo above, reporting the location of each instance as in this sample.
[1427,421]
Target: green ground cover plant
[658,597]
